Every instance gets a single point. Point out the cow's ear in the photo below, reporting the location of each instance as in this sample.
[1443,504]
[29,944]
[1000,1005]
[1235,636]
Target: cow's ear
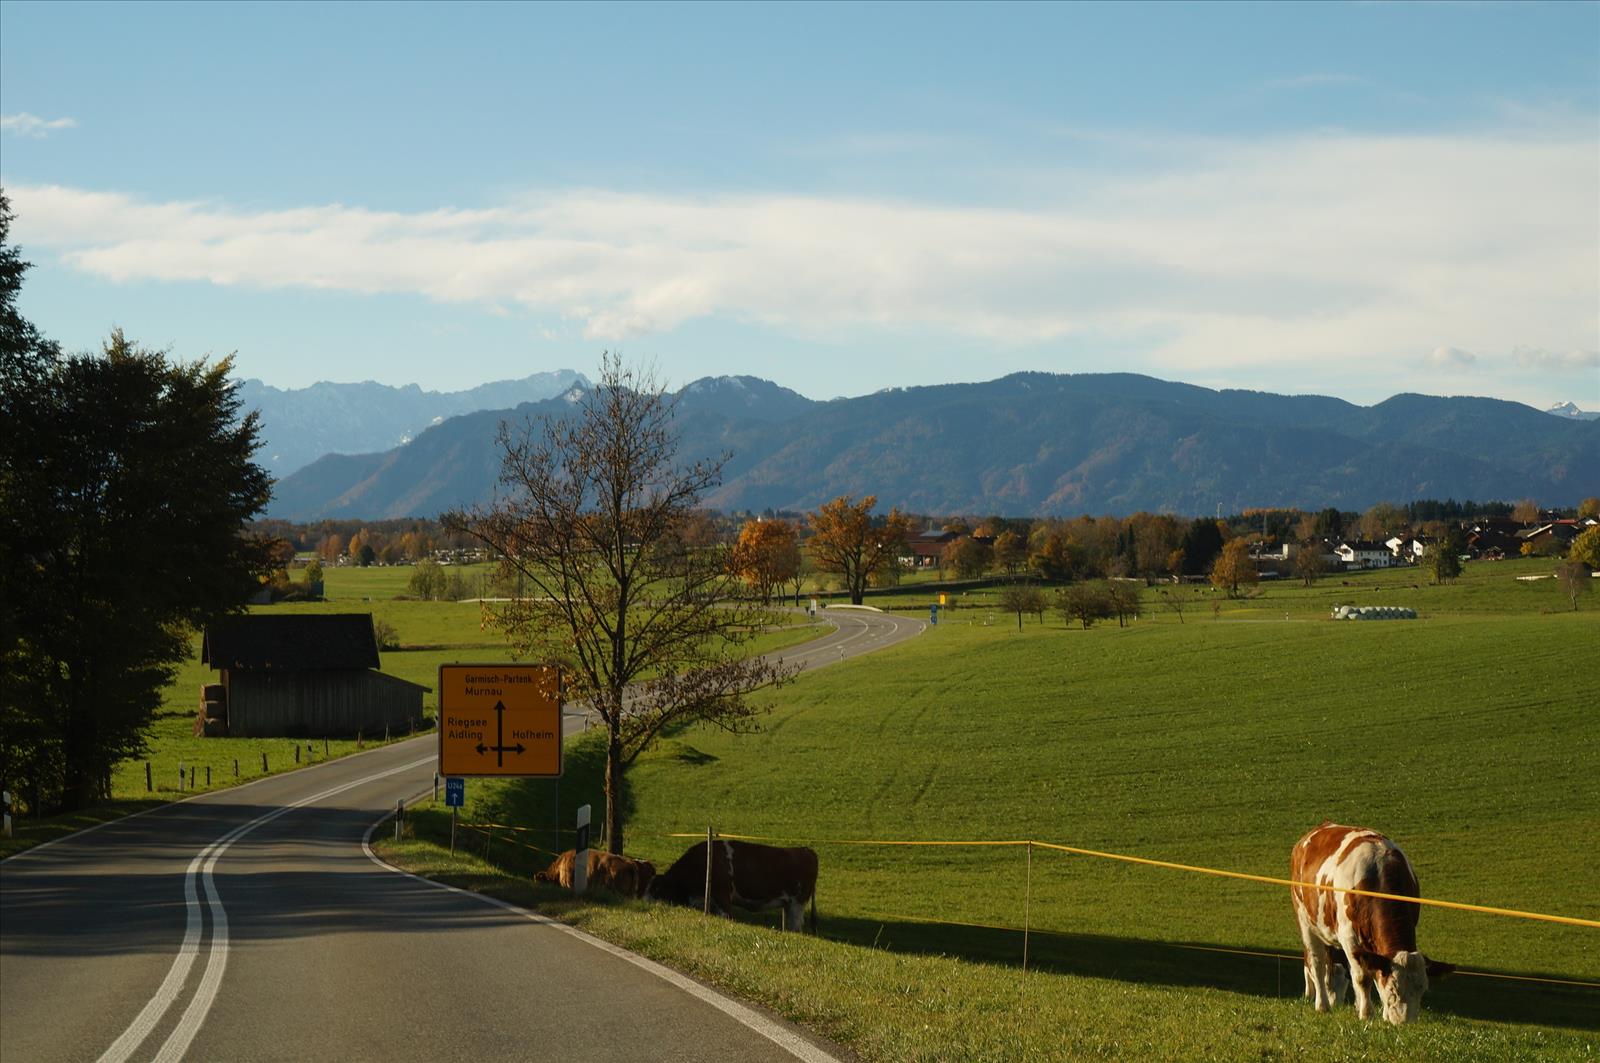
[1438,970]
[1372,961]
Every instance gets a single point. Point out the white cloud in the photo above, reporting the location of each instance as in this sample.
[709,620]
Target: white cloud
[1449,358]
[1555,361]
[27,125]
[1297,251]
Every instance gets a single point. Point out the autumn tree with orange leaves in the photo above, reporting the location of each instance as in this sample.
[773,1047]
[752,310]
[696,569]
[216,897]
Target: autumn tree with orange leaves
[848,540]
[766,556]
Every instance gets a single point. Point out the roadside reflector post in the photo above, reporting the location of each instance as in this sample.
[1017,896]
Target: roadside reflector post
[208,776]
[5,798]
[580,851]
[148,784]
[325,746]
[435,787]
[297,752]
[191,776]
[180,776]
[263,762]
[235,767]
[707,908]
[399,814]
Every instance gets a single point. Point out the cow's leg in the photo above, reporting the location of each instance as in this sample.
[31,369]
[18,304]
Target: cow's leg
[1360,979]
[794,914]
[1317,964]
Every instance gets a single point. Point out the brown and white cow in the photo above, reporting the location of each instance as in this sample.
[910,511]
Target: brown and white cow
[620,874]
[1378,937]
[755,877]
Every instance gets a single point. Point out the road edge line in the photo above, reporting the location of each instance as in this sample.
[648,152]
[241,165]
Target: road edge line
[742,1013]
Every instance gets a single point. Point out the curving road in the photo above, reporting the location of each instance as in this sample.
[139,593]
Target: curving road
[254,924]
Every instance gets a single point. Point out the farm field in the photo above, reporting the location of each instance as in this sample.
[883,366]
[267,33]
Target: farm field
[1469,736]
[1484,588]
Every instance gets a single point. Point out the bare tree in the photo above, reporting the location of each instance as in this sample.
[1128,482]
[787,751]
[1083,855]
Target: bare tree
[1175,601]
[1308,563]
[1575,579]
[594,521]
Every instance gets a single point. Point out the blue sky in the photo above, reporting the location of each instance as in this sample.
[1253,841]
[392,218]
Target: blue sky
[1353,199]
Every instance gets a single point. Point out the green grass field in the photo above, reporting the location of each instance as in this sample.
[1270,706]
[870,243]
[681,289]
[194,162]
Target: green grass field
[1470,736]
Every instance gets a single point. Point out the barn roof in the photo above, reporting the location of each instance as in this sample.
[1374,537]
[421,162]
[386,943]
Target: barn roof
[297,643]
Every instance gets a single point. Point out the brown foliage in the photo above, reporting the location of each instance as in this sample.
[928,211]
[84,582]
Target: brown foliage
[845,538]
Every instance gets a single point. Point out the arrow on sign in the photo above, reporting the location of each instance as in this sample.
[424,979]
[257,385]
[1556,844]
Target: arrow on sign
[500,749]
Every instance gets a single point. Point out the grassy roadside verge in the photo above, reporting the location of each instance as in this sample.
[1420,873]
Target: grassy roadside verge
[885,1005]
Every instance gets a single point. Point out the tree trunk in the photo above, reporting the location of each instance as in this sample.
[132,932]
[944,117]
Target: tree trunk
[614,792]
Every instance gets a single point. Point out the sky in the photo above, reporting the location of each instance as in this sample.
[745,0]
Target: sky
[1347,199]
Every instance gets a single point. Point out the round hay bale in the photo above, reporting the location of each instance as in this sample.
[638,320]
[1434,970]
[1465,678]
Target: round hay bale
[218,709]
[215,728]
[213,692]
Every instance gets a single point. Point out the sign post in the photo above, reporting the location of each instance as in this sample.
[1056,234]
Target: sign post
[580,853]
[455,795]
[500,720]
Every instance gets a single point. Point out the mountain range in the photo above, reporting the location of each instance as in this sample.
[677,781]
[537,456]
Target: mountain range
[1026,444]
[300,425]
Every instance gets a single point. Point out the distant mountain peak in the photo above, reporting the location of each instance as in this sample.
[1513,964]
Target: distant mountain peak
[1570,411]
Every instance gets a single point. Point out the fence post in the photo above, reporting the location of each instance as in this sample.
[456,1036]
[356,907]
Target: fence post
[297,752]
[709,835]
[235,767]
[1027,901]
[208,776]
[263,762]
[180,776]
[325,745]
[191,776]
[148,784]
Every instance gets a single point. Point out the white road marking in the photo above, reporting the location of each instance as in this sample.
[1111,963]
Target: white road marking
[747,1016]
[217,961]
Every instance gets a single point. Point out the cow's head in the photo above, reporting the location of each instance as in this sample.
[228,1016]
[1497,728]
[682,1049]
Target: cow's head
[664,888]
[1402,979]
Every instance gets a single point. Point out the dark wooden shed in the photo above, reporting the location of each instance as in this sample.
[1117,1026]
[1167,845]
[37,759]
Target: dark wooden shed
[304,675]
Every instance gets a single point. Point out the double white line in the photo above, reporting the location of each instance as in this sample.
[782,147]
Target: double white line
[200,869]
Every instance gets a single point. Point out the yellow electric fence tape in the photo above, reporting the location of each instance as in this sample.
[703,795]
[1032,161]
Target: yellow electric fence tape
[1430,902]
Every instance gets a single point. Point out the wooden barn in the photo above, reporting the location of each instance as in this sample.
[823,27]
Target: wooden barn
[306,675]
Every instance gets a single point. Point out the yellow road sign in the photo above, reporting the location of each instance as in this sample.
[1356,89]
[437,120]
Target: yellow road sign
[500,719]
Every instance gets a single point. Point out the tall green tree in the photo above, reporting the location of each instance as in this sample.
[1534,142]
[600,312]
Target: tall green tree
[139,470]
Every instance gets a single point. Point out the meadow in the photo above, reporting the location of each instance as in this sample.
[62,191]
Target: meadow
[1470,736]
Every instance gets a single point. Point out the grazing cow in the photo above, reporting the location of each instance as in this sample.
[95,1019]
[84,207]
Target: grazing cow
[620,874]
[1378,937]
[755,877]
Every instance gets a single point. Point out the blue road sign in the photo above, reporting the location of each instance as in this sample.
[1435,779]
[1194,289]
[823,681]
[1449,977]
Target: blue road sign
[455,793]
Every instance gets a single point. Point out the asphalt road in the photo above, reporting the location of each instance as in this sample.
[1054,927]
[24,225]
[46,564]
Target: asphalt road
[253,924]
